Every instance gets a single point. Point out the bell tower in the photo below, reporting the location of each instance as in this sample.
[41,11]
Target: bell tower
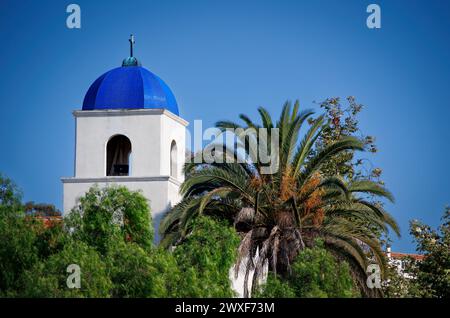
[129,133]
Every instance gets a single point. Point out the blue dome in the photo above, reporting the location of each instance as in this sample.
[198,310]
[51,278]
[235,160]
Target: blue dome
[129,87]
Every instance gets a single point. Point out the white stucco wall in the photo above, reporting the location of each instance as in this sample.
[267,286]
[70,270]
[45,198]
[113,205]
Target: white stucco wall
[171,131]
[150,131]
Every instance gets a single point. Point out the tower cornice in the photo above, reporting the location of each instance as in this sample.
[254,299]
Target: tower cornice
[129,112]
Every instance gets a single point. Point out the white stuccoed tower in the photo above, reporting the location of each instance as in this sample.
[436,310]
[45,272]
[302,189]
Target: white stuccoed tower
[129,133]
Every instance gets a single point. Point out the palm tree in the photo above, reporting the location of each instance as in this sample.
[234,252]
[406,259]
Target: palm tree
[281,213]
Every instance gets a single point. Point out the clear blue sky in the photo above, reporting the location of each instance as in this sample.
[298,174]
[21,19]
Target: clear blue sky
[222,58]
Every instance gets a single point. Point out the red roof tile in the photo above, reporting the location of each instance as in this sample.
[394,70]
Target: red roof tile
[417,257]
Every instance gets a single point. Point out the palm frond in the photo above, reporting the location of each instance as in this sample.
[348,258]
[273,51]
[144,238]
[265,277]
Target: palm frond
[368,186]
[346,143]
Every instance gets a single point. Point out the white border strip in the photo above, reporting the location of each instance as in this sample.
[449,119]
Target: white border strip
[120,179]
[129,112]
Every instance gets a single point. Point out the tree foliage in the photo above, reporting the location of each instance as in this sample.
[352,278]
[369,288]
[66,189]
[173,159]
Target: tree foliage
[275,287]
[315,274]
[10,195]
[207,254]
[41,209]
[429,277]
[433,272]
[24,240]
[49,278]
[401,282]
[18,250]
[343,121]
[133,272]
[109,236]
[106,215]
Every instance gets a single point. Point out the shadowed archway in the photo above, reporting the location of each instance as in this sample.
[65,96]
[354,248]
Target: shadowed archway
[118,151]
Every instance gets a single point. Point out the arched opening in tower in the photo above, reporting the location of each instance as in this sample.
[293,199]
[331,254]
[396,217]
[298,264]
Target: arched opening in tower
[118,151]
[173,159]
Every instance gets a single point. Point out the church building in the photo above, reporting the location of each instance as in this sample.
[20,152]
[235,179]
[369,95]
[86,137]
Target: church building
[129,132]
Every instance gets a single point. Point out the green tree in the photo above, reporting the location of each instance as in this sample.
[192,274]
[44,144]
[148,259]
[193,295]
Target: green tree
[275,287]
[117,223]
[397,285]
[205,257]
[18,250]
[315,273]
[176,282]
[10,195]
[433,272]
[280,213]
[25,239]
[343,121]
[49,278]
[133,272]
[114,221]
[50,237]
[104,216]
[112,247]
